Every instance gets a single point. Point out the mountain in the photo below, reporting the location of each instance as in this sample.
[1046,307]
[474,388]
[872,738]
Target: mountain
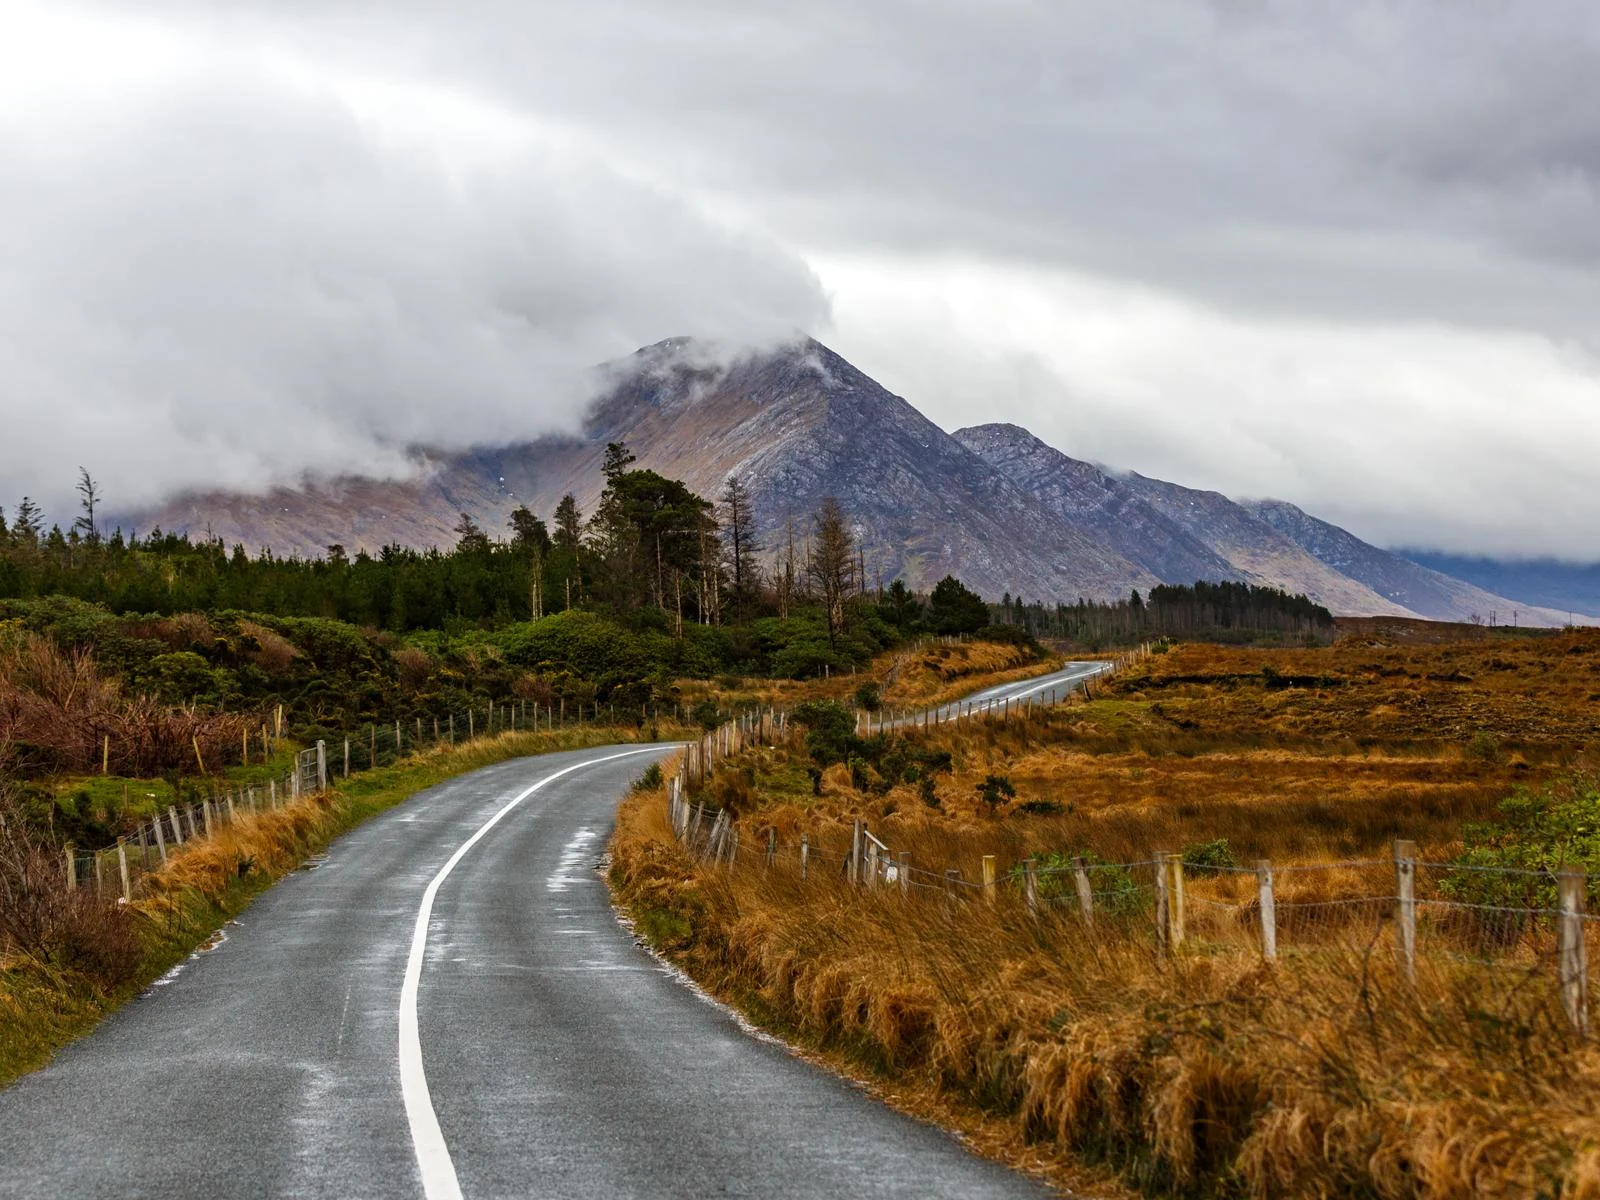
[992,504]
[1428,592]
[799,424]
[1179,534]
[1548,582]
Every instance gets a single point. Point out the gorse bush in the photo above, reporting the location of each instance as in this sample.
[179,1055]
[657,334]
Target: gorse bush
[1208,858]
[995,790]
[1115,889]
[1537,834]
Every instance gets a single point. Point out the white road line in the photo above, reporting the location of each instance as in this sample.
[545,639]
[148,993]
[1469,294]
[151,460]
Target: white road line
[433,1156]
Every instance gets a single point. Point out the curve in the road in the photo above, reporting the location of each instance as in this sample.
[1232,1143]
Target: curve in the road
[541,1051]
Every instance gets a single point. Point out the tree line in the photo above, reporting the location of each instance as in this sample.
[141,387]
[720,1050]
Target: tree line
[652,555]
[1202,611]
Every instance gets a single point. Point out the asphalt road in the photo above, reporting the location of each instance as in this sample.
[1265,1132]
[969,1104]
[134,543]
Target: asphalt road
[445,1005]
[1041,689]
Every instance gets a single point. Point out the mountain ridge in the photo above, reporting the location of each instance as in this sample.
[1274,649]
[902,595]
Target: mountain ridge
[991,504]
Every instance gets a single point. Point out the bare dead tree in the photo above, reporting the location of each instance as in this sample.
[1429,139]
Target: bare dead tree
[831,564]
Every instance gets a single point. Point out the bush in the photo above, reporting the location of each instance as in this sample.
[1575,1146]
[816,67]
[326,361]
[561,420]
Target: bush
[650,780]
[1041,808]
[995,790]
[1538,834]
[867,697]
[830,731]
[43,919]
[1115,889]
[1208,858]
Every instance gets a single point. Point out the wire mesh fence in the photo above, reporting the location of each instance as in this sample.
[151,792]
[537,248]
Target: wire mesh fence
[1398,905]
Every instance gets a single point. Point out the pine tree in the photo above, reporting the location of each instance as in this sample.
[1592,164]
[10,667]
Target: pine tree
[738,527]
[29,524]
[89,495]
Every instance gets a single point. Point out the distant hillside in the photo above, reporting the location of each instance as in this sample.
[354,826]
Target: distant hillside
[992,504]
[1560,586]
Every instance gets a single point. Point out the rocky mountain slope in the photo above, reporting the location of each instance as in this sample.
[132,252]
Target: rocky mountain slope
[1178,533]
[992,504]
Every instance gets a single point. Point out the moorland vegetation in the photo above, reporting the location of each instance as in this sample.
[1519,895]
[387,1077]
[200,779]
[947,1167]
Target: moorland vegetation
[1206,1070]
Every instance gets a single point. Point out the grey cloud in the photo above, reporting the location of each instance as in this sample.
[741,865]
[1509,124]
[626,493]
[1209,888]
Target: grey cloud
[226,278]
[1369,166]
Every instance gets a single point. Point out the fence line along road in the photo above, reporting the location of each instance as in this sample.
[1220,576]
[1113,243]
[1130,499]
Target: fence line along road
[117,870]
[1464,917]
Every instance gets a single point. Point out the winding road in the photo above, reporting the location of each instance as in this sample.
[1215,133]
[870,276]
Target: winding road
[445,1005]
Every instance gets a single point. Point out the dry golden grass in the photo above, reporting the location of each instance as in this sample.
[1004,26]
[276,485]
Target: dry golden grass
[931,673]
[1210,1072]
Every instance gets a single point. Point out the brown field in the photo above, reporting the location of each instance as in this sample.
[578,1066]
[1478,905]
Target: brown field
[1209,1072]
[908,677]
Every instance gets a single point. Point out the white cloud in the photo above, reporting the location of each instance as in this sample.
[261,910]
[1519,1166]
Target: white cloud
[241,267]
[1347,254]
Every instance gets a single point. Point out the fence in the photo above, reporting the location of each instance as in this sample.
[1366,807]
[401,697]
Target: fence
[1178,907]
[116,870]
[1532,924]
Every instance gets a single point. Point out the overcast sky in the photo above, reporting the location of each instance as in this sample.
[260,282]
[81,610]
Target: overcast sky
[1346,254]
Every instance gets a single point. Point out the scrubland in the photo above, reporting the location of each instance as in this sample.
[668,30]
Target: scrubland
[1089,1054]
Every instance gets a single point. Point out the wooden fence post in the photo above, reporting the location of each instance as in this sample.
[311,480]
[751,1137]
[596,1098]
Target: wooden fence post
[1405,895]
[872,864]
[161,841]
[1080,876]
[1175,899]
[988,878]
[144,849]
[1163,905]
[950,877]
[322,761]
[903,872]
[1030,885]
[177,826]
[205,811]
[99,875]
[855,852]
[772,847]
[1573,953]
[1269,910]
[232,816]
[805,854]
[71,853]
[122,870]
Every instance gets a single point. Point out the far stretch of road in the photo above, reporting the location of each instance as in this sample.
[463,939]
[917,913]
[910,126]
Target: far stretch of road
[1041,689]
[445,1005]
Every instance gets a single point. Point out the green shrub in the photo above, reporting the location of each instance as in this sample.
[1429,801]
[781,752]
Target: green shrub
[1115,890]
[830,731]
[995,790]
[1513,862]
[1041,808]
[1208,858]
